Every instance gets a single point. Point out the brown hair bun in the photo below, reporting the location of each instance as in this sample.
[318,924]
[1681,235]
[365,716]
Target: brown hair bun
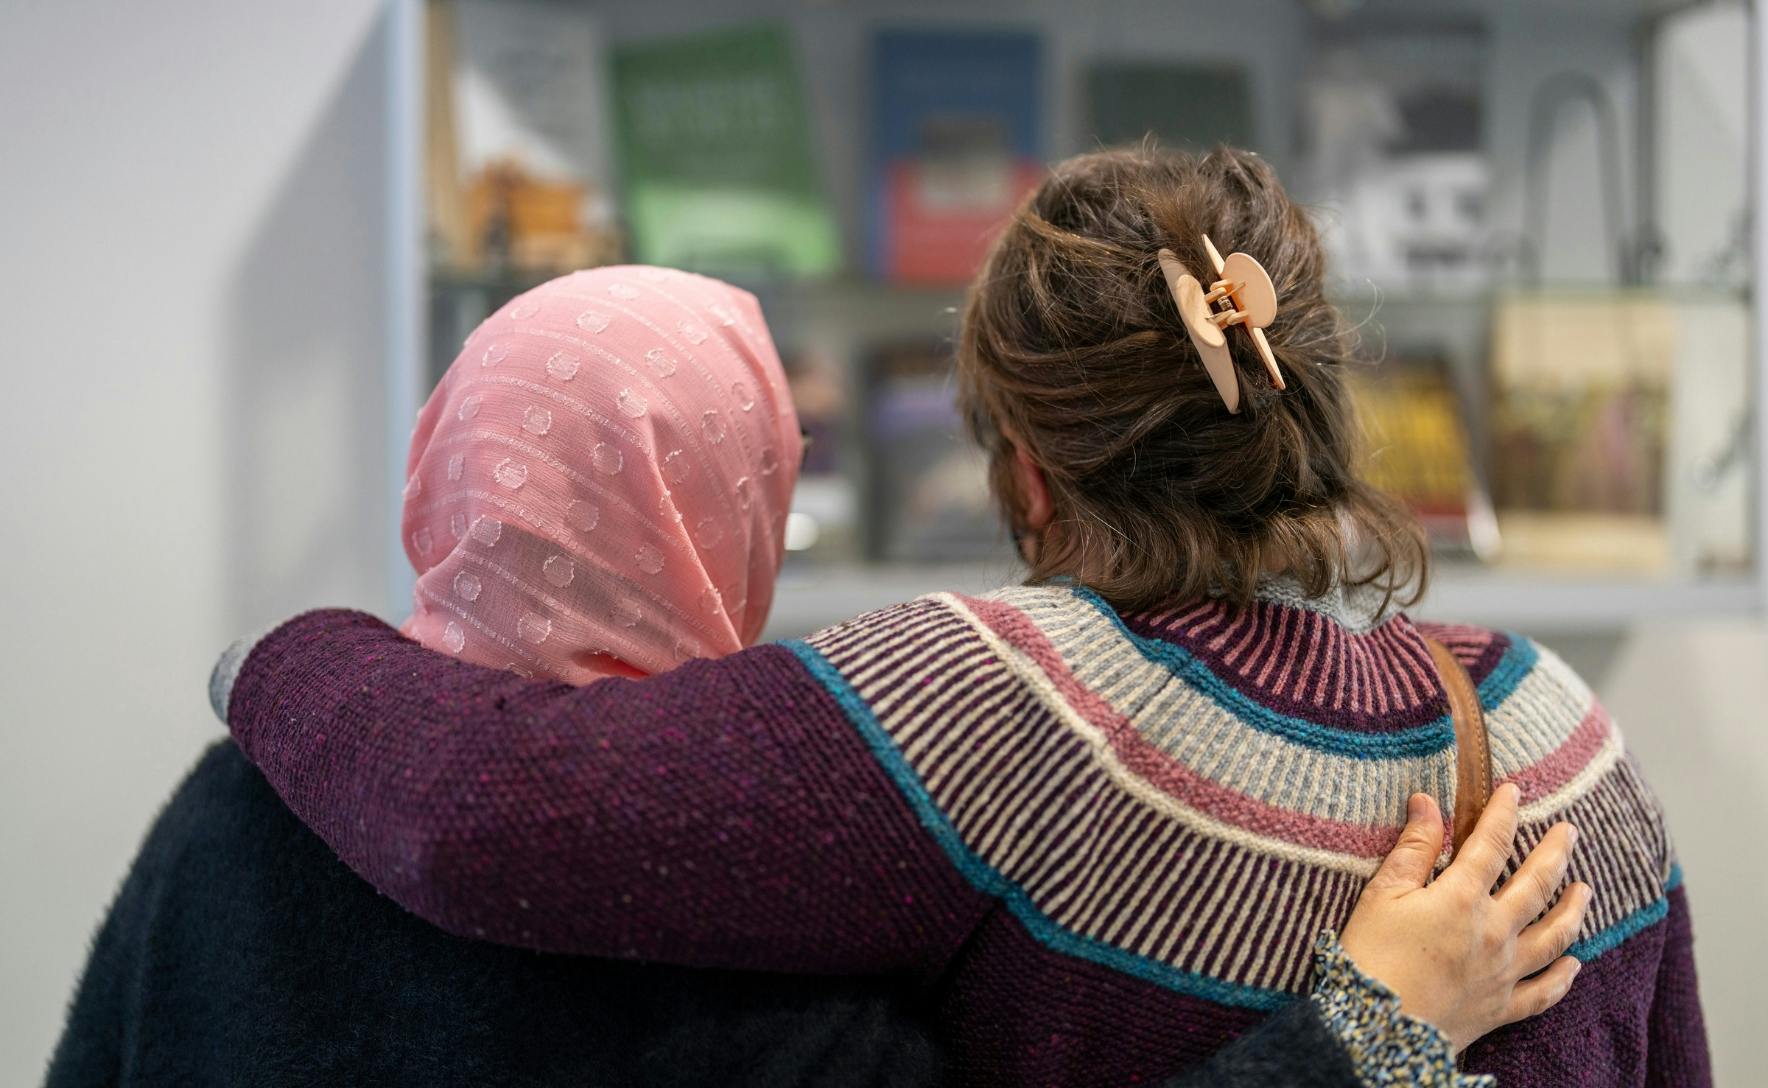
[1071,343]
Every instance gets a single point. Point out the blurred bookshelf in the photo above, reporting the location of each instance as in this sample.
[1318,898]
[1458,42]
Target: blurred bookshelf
[1561,354]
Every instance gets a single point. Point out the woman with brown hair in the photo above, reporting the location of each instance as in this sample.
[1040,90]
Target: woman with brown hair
[1107,820]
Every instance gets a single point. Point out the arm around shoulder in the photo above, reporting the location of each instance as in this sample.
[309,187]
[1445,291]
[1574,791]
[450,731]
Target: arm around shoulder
[723,814]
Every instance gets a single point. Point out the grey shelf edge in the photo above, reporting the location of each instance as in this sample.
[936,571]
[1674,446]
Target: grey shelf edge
[1530,603]
[1534,601]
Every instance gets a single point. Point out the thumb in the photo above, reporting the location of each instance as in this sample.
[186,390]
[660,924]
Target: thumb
[1413,857]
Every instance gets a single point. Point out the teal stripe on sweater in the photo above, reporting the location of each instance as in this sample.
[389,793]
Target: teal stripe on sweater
[1423,740]
[1598,943]
[991,881]
[1642,919]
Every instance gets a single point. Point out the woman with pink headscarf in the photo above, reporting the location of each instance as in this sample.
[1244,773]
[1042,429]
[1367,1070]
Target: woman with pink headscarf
[598,486]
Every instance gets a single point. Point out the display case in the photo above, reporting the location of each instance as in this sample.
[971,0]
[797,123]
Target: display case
[1540,217]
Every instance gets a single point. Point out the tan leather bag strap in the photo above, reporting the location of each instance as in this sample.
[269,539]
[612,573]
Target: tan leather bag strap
[1473,757]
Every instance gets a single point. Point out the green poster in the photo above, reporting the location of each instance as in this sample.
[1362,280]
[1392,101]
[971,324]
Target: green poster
[716,156]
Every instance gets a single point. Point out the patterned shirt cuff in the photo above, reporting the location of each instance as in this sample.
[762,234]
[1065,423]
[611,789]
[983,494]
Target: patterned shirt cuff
[1386,1046]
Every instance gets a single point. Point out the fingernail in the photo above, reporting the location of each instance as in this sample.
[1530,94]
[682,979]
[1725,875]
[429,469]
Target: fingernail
[1571,834]
[1415,807]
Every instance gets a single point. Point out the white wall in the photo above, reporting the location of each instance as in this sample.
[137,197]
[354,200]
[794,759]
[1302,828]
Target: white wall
[191,324]
[1689,698]
[1702,124]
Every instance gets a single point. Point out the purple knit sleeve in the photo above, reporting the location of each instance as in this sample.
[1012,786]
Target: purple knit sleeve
[724,814]
[1677,1043]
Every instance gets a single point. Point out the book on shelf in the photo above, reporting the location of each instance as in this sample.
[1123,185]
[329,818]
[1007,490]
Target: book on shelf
[927,498]
[717,157]
[957,125]
[1709,471]
[1184,105]
[826,500]
[819,394]
[1416,449]
[1391,136]
[519,173]
[1580,413]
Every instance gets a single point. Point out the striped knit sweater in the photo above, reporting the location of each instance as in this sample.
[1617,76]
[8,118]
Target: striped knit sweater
[1104,844]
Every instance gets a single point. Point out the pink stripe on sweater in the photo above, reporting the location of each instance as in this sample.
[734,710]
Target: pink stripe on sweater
[1563,763]
[1167,774]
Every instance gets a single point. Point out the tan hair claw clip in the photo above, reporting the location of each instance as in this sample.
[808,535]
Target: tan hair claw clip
[1241,294]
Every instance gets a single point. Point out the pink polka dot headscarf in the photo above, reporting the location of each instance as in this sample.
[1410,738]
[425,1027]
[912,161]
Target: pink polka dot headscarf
[598,486]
